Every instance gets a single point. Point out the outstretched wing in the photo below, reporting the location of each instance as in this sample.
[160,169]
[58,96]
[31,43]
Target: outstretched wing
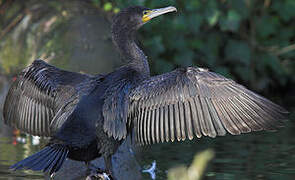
[192,102]
[43,96]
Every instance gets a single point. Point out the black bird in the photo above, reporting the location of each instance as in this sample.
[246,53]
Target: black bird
[89,116]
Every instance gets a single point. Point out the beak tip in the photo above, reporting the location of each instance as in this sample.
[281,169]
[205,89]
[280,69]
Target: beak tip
[173,8]
[158,12]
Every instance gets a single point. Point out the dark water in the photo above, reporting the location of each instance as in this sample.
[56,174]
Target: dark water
[260,155]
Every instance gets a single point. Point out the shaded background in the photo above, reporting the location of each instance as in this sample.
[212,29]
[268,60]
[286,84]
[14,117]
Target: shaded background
[250,41]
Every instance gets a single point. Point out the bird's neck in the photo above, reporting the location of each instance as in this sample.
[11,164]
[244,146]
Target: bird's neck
[125,42]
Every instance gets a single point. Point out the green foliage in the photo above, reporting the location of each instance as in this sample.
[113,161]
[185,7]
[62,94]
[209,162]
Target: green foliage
[195,171]
[12,54]
[249,41]
[107,6]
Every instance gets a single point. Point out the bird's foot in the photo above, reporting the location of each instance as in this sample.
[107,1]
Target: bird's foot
[99,175]
[151,170]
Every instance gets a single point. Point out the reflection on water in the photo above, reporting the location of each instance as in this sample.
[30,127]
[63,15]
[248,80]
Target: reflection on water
[261,155]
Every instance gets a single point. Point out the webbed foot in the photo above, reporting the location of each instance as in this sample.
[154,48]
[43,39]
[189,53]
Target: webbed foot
[99,175]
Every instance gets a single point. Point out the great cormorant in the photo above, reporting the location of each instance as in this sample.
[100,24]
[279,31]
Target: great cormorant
[89,116]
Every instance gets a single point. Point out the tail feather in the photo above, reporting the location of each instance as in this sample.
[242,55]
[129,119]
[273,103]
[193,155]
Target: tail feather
[59,163]
[30,159]
[56,166]
[43,161]
[41,158]
[47,163]
[50,159]
[51,164]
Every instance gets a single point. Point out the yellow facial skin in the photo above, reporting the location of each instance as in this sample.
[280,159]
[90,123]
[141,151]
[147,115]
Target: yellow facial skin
[145,16]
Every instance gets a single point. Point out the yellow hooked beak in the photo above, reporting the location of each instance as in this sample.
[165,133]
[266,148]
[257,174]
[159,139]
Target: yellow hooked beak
[150,14]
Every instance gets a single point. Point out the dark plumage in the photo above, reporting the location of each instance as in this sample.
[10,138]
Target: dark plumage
[89,116]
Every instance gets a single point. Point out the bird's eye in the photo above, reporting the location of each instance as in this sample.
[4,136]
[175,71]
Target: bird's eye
[145,12]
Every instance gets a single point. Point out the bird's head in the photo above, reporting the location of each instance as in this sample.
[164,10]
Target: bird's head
[134,17]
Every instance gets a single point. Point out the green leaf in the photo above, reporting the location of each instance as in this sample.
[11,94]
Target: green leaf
[107,6]
[239,6]
[231,22]
[238,51]
[162,66]
[243,72]
[267,25]
[96,2]
[273,63]
[224,71]
[195,22]
[211,49]
[180,23]
[184,58]
[116,10]
[197,44]
[196,3]
[285,9]
[213,19]
[155,45]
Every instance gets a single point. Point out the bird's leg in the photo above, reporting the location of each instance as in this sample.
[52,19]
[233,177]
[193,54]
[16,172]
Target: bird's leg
[97,173]
[97,176]
[93,172]
[108,163]
[87,163]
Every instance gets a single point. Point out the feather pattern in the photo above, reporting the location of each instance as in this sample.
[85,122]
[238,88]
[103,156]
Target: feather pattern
[38,97]
[116,102]
[49,159]
[190,102]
